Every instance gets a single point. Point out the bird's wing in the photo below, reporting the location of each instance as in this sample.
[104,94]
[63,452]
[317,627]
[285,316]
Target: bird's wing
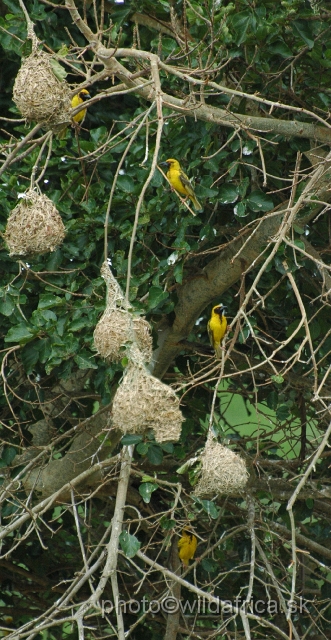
[194,544]
[216,346]
[186,183]
[211,334]
[181,543]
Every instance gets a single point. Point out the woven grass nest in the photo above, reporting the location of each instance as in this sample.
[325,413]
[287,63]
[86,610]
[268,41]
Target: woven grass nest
[38,94]
[115,295]
[222,472]
[34,226]
[117,328]
[143,402]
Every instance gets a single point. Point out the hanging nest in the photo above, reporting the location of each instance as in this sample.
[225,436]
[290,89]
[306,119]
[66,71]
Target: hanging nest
[142,330]
[115,295]
[117,328]
[143,402]
[38,94]
[222,472]
[34,226]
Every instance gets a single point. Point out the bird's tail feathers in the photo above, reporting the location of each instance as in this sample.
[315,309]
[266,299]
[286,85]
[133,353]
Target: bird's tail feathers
[218,350]
[196,203]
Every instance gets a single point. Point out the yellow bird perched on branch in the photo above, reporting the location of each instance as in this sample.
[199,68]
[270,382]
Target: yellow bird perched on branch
[216,327]
[8,620]
[187,546]
[79,98]
[180,182]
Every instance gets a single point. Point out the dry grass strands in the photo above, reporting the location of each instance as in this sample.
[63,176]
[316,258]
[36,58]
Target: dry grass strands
[38,94]
[34,226]
[117,328]
[143,402]
[223,471]
[142,330]
[115,295]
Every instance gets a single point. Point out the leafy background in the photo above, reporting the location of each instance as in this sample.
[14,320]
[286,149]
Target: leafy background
[266,407]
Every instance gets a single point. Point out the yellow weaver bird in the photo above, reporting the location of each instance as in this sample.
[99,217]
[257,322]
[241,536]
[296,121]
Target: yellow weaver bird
[8,620]
[79,98]
[187,546]
[216,327]
[180,182]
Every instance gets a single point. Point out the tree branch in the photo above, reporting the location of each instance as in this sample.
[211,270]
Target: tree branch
[201,111]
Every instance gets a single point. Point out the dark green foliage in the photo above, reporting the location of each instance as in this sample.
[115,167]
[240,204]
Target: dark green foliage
[267,406]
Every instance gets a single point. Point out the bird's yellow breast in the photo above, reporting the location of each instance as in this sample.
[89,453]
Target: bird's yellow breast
[187,546]
[76,100]
[173,176]
[217,325]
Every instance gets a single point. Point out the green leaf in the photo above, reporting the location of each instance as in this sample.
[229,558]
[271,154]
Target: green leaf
[249,147]
[76,325]
[210,565]
[7,307]
[206,192]
[155,454]
[147,478]
[85,360]
[129,544]
[8,455]
[292,327]
[98,135]
[131,439]
[282,412]
[240,210]
[210,508]
[300,244]
[48,301]
[156,295]
[157,179]
[167,524]
[228,193]
[19,334]
[146,489]
[30,356]
[272,400]
[125,183]
[13,6]
[280,48]
[63,51]
[259,201]
[243,186]
[298,229]
[302,29]
[240,23]
[315,329]
[142,448]
[277,379]
[59,71]
[178,272]
[168,447]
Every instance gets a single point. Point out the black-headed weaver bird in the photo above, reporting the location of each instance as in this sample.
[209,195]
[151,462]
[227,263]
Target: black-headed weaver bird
[180,182]
[216,327]
[187,546]
[79,98]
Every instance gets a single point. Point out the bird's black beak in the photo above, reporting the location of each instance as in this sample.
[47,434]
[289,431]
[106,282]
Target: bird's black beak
[220,309]
[165,164]
[85,96]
